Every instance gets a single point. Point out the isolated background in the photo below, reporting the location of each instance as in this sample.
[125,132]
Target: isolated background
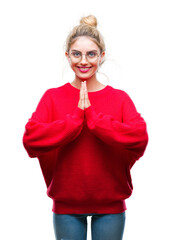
[137,36]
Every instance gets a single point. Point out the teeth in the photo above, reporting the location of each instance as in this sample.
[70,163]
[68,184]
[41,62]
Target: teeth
[84,68]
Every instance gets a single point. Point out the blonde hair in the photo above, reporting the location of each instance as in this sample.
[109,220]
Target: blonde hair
[87,27]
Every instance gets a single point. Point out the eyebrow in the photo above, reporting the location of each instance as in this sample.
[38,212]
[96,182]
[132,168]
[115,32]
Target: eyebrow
[86,52]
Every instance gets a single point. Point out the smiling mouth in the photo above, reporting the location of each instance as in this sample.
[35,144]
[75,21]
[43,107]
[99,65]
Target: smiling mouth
[84,69]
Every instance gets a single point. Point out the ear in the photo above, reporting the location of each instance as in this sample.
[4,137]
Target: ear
[66,53]
[102,57]
[67,56]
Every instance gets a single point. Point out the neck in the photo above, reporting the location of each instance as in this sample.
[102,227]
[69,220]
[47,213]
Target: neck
[92,83]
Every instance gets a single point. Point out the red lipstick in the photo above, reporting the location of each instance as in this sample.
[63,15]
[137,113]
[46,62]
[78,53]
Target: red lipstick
[84,69]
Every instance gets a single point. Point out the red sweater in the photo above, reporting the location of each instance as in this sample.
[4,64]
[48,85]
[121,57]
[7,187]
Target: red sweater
[86,155]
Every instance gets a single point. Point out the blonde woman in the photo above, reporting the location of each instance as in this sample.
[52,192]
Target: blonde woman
[86,136]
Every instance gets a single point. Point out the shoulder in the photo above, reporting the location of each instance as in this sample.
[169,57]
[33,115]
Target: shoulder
[54,91]
[51,95]
[119,93]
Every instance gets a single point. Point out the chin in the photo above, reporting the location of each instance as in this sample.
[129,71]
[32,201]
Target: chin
[83,77]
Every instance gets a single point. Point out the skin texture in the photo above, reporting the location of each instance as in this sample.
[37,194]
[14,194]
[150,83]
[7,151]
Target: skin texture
[84,101]
[85,81]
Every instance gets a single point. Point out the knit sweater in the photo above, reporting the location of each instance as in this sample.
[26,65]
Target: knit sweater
[86,155]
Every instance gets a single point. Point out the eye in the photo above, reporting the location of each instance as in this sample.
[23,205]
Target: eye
[92,54]
[76,54]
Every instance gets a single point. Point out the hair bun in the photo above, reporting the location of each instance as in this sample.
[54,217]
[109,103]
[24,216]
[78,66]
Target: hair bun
[89,20]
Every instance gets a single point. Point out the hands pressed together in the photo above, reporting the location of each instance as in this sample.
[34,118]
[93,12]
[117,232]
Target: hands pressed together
[84,100]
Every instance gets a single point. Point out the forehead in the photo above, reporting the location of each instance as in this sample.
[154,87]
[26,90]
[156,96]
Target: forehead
[84,44]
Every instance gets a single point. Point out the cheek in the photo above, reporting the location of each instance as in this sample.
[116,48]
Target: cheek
[95,67]
[73,67]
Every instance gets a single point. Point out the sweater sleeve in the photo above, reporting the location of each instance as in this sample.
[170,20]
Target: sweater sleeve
[42,135]
[131,133]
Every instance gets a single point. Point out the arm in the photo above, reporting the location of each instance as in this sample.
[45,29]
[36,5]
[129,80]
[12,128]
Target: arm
[42,135]
[131,133]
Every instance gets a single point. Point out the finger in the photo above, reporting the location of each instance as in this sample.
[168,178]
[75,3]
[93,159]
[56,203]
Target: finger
[81,99]
[85,89]
[85,92]
[86,97]
[85,86]
[82,95]
[82,89]
[82,85]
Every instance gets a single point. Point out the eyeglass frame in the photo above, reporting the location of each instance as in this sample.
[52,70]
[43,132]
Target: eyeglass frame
[98,55]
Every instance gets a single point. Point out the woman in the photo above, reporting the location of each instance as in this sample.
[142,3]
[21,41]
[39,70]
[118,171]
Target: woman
[87,136]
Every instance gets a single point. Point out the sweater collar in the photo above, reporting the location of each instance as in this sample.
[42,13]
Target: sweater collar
[74,89]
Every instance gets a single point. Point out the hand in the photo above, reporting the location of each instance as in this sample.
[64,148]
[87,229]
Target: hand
[84,101]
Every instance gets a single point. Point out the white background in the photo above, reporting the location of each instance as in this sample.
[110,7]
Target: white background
[138,43]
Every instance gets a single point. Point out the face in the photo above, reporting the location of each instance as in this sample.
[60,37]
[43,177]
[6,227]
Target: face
[84,69]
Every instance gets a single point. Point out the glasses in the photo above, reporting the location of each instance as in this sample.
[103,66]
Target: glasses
[91,56]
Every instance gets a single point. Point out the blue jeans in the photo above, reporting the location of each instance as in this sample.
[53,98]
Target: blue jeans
[103,226]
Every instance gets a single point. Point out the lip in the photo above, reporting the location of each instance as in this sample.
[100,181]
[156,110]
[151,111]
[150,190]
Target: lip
[84,69]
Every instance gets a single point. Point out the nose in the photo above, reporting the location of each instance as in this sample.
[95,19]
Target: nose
[83,59]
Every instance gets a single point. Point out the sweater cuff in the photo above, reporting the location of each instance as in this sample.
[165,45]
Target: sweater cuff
[79,113]
[90,113]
